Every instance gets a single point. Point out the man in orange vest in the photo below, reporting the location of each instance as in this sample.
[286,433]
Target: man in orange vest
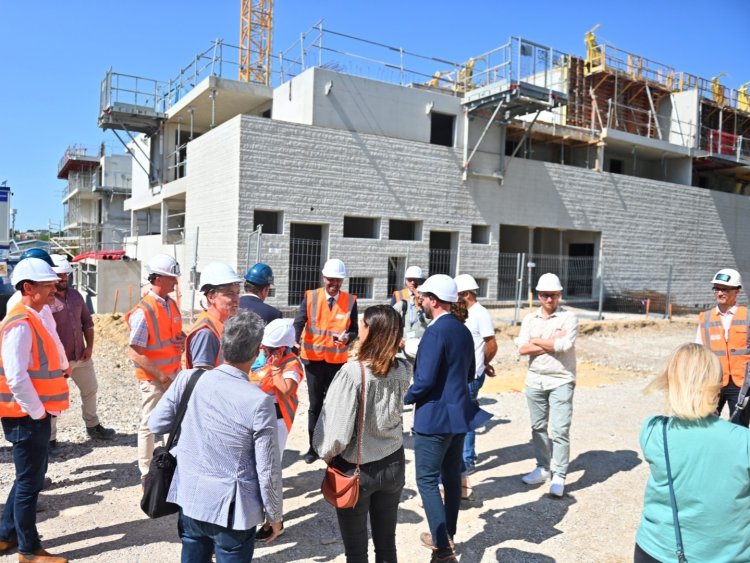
[221,286]
[156,345]
[412,278]
[325,324]
[724,330]
[32,390]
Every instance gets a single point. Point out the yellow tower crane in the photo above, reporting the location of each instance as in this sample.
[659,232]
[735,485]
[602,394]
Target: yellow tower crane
[256,28]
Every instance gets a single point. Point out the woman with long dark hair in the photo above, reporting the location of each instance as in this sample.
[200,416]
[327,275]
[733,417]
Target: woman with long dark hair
[382,449]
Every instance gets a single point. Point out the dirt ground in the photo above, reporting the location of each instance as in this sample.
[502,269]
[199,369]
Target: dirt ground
[91,512]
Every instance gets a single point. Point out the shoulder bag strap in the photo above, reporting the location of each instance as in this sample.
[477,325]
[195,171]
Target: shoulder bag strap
[361,416]
[680,552]
[183,407]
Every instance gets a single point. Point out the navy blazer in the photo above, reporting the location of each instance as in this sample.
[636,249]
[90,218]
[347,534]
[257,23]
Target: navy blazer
[442,370]
[263,310]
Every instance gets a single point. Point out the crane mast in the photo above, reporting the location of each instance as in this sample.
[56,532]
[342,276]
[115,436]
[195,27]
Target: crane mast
[256,27]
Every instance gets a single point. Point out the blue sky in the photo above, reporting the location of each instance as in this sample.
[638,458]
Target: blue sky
[55,54]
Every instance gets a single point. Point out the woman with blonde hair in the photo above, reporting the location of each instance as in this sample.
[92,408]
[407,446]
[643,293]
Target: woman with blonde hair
[387,379]
[697,499]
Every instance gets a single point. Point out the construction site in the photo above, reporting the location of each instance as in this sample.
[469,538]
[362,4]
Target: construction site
[595,166]
[626,177]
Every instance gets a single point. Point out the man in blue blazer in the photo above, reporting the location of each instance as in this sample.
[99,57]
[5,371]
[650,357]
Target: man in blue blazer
[444,411]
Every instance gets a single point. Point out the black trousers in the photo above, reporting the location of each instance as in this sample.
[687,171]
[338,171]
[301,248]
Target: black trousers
[380,485]
[728,396]
[319,375]
[640,556]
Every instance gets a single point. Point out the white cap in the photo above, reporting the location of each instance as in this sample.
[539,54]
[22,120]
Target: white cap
[163,265]
[278,333]
[465,282]
[334,268]
[218,273]
[32,269]
[62,266]
[441,286]
[728,277]
[548,282]
[413,273]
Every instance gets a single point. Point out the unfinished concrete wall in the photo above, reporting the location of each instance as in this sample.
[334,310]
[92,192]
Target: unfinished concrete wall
[114,276]
[117,171]
[321,175]
[685,118]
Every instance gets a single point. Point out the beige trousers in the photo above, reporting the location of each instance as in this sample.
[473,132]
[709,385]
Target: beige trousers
[151,392]
[84,376]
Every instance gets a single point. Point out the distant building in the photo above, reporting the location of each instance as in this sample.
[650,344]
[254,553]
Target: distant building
[522,150]
[98,184]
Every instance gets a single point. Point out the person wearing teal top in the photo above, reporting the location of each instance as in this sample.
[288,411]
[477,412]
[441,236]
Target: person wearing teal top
[710,467]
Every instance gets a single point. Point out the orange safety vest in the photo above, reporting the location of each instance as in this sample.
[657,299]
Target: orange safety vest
[263,377]
[323,323]
[163,326]
[45,370]
[401,295]
[204,320]
[733,352]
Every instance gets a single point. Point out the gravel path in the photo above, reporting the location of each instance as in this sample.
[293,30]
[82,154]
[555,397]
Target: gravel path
[92,509]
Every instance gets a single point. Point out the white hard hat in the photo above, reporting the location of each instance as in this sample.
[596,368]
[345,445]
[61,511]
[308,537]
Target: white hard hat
[465,282]
[548,282]
[728,277]
[32,269]
[62,266]
[163,265]
[218,273]
[278,333]
[413,273]
[441,286]
[334,268]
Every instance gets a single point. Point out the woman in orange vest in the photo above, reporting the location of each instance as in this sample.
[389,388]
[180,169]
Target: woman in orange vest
[221,286]
[279,377]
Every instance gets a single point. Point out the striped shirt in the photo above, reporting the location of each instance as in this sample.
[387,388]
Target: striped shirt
[336,431]
[227,453]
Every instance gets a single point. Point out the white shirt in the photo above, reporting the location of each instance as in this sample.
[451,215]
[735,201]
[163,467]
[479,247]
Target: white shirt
[726,322]
[547,371]
[479,323]
[48,320]
[17,358]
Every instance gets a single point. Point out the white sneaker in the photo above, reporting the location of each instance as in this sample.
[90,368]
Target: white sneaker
[536,477]
[557,487]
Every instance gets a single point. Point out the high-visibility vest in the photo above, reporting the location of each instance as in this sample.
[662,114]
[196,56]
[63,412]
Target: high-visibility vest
[264,379]
[204,320]
[162,326]
[733,352]
[401,295]
[45,370]
[323,323]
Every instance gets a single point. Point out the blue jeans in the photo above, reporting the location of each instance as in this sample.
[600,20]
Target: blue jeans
[30,439]
[435,456]
[201,539]
[470,453]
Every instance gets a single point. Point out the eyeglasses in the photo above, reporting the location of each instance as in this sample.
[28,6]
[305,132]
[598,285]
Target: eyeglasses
[723,289]
[549,296]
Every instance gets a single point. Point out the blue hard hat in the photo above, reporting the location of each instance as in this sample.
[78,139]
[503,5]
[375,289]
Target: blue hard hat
[37,253]
[260,274]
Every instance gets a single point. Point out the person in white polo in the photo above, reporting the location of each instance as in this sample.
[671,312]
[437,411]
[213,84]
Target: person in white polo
[548,337]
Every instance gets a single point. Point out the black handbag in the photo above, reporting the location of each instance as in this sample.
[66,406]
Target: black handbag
[163,464]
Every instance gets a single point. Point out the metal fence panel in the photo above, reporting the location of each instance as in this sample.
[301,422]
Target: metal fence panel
[304,267]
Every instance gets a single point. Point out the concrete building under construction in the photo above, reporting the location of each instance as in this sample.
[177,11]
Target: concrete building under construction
[619,173]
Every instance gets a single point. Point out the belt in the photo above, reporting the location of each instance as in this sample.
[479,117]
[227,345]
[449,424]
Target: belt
[278,411]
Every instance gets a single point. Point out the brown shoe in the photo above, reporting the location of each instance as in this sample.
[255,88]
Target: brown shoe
[426,539]
[445,555]
[41,556]
[7,545]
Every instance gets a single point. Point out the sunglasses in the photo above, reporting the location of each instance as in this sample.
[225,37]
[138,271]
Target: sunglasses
[549,296]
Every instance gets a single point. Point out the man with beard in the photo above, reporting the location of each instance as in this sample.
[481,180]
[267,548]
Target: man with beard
[75,328]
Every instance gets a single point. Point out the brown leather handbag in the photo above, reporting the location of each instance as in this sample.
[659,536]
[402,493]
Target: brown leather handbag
[338,488]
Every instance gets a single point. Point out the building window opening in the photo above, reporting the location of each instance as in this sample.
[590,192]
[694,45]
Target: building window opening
[361,287]
[272,221]
[442,128]
[399,229]
[361,227]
